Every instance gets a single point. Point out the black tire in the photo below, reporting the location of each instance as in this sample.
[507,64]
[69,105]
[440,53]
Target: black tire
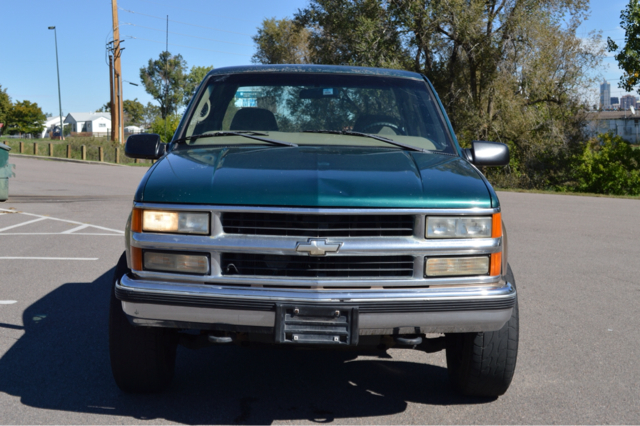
[142,358]
[482,364]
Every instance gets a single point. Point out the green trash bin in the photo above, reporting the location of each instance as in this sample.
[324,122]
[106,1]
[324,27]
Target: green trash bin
[6,171]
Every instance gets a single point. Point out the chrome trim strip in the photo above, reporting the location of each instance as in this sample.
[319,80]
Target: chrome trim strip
[315,296]
[283,282]
[316,210]
[392,246]
[369,324]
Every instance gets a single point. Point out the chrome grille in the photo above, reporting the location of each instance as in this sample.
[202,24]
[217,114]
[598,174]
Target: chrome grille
[249,264]
[313,225]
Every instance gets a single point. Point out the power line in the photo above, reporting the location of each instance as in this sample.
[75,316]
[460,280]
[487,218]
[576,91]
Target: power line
[190,47]
[186,35]
[184,23]
[199,12]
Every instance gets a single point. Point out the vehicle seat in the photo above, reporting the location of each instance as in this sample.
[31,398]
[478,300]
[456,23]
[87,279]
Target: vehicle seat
[364,123]
[254,119]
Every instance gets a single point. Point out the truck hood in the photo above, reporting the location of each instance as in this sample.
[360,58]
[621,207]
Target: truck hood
[326,176]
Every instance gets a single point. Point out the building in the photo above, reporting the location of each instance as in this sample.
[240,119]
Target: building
[96,123]
[52,124]
[627,101]
[615,101]
[620,123]
[605,95]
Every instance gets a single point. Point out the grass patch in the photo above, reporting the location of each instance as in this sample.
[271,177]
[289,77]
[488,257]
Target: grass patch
[72,148]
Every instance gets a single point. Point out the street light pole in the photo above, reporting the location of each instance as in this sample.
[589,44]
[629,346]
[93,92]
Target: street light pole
[59,96]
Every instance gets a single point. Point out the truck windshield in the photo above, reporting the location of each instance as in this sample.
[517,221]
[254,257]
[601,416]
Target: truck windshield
[319,109]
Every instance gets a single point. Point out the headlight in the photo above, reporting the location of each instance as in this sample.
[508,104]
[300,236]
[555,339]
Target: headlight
[458,227]
[456,266]
[175,222]
[176,262]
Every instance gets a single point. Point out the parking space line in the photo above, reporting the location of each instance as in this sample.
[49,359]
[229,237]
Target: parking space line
[47,258]
[8,302]
[22,224]
[70,231]
[59,233]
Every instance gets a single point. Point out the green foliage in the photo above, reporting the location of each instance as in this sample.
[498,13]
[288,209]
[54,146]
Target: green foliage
[149,114]
[510,71]
[193,80]
[158,126]
[25,118]
[608,165]
[5,107]
[629,58]
[164,79]
[281,42]
[134,111]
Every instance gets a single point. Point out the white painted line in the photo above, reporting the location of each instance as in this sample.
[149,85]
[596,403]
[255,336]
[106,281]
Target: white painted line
[8,302]
[59,233]
[22,224]
[47,258]
[62,220]
[75,229]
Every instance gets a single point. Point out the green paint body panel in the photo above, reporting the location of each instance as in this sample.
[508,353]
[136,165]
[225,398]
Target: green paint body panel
[315,176]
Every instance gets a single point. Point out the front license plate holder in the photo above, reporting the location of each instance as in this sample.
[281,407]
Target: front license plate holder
[316,325]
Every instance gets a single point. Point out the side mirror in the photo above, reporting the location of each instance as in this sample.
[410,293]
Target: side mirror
[145,145]
[485,153]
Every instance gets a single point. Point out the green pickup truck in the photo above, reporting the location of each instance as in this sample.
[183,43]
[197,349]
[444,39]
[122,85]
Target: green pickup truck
[318,207]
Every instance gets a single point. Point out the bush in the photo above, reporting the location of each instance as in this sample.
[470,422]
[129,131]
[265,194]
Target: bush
[608,165]
[158,127]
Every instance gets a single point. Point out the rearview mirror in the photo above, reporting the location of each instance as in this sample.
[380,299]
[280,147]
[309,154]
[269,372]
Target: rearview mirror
[145,145]
[483,153]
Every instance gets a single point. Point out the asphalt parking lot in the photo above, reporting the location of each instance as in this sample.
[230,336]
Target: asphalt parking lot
[577,270]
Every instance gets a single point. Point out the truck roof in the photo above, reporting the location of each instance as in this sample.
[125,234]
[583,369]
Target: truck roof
[309,68]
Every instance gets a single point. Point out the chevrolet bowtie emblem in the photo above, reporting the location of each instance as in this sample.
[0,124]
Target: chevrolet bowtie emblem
[318,247]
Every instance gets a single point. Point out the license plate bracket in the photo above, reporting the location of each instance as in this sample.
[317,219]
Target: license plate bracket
[316,325]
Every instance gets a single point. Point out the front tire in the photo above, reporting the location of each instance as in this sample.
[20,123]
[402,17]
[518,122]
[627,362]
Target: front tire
[142,358]
[482,364]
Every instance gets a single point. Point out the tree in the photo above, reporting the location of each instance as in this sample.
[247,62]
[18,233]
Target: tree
[193,80]
[149,114]
[158,127]
[105,108]
[25,118]
[281,42]
[629,56]
[512,71]
[5,107]
[164,79]
[133,111]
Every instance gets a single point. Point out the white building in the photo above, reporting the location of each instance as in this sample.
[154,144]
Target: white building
[620,123]
[98,123]
[49,126]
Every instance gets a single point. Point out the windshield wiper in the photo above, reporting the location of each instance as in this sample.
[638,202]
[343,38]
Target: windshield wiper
[368,135]
[251,135]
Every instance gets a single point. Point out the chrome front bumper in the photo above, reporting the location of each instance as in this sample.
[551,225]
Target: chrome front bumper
[381,312]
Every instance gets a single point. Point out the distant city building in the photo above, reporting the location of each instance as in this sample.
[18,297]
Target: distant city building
[627,101]
[614,100]
[605,95]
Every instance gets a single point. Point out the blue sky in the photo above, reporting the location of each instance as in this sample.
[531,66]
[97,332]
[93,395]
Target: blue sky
[204,32]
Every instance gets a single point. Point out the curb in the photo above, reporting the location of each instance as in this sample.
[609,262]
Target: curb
[68,160]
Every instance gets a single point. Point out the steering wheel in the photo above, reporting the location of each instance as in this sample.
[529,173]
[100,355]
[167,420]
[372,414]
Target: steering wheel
[381,124]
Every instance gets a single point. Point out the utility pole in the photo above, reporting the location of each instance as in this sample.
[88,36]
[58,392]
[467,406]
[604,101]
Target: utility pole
[117,71]
[166,85]
[112,106]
